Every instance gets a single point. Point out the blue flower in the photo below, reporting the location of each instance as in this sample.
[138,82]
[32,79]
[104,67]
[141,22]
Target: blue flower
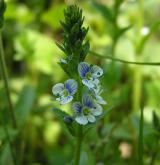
[65,92]
[87,110]
[89,73]
[96,90]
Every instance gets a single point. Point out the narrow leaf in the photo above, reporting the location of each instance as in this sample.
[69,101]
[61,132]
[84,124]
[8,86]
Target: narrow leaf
[24,104]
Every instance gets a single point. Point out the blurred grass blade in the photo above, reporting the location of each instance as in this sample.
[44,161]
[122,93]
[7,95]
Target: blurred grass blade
[140,139]
[2,10]
[24,104]
[121,31]
[105,11]
[153,28]
[156,121]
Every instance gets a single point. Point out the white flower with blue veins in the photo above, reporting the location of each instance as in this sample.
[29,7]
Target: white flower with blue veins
[96,90]
[87,110]
[89,74]
[65,92]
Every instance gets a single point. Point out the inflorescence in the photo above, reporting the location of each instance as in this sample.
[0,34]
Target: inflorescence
[89,107]
[83,87]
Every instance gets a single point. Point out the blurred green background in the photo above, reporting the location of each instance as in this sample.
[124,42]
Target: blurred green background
[130,32]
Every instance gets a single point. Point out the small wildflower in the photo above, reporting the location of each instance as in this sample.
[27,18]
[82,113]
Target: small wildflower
[65,92]
[96,90]
[87,110]
[89,73]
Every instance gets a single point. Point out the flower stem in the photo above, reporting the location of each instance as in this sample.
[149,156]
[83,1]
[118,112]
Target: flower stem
[124,61]
[5,78]
[78,144]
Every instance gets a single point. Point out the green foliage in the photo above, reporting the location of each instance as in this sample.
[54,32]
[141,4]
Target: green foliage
[2,10]
[55,12]
[69,125]
[26,98]
[115,28]
[111,16]
[156,122]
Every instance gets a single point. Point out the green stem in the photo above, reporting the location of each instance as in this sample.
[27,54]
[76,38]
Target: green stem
[79,137]
[78,144]
[113,48]
[138,75]
[5,78]
[124,61]
[140,140]
[137,86]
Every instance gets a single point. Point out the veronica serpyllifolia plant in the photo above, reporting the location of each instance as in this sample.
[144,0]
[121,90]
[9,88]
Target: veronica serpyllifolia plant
[83,87]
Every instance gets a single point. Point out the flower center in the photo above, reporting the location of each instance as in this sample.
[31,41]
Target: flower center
[86,110]
[65,93]
[88,76]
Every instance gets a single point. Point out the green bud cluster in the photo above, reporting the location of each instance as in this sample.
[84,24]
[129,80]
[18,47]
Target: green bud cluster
[74,45]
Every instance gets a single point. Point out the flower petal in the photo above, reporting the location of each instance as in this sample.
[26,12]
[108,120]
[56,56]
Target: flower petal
[97,110]
[71,85]
[83,68]
[77,106]
[81,120]
[100,100]
[96,89]
[96,82]
[88,83]
[87,101]
[96,71]
[91,118]
[58,89]
[66,100]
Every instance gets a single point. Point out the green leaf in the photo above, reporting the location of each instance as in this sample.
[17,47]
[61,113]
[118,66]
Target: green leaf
[121,31]
[105,11]
[2,10]
[83,158]
[61,114]
[60,46]
[12,133]
[156,121]
[24,104]
[5,155]
[153,28]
